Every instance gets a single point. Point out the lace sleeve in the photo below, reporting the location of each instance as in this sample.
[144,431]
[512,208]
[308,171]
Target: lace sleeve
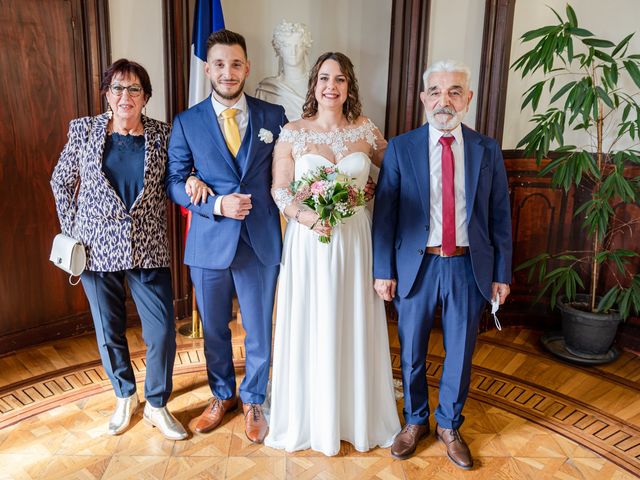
[378,146]
[283,172]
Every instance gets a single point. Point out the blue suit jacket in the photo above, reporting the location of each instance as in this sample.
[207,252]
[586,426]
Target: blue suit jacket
[401,213]
[197,142]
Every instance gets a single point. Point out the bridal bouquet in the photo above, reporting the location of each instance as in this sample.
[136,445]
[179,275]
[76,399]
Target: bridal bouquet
[330,193]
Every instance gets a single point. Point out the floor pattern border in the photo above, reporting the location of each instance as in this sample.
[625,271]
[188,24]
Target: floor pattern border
[596,430]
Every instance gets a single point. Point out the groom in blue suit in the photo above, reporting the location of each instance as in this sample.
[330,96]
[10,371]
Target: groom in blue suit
[234,243]
[441,236]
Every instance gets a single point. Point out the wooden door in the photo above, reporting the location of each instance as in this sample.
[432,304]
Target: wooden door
[52,53]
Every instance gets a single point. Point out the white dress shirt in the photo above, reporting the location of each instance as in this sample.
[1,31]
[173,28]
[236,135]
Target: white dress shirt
[435,188]
[242,118]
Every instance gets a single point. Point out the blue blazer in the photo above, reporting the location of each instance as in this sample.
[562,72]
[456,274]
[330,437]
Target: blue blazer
[197,142]
[401,213]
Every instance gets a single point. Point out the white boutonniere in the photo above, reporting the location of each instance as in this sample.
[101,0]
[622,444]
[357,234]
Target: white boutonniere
[265,135]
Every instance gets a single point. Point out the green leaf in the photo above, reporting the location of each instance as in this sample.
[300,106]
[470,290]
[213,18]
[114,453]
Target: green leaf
[566,148]
[634,72]
[534,96]
[567,257]
[603,56]
[597,42]
[570,49]
[532,262]
[608,300]
[562,91]
[556,14]
[571,15]
[539,32]
[622,44]
[623,302]
[605,98]
[614,73]
[579,32]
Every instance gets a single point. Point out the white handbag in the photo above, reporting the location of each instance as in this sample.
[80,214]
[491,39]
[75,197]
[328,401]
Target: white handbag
[68,254]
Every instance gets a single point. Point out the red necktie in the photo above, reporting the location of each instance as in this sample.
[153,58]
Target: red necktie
[448,198]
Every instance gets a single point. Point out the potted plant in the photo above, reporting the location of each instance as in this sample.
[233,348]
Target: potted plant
[588,80]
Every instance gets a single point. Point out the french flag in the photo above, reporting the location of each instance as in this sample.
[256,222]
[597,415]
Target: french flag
[207,19]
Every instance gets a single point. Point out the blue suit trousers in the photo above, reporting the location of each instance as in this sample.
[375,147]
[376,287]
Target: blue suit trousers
[449,282]
[151,291]
[254,284]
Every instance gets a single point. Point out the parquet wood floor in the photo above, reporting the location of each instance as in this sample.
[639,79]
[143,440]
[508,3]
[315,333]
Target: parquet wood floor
[528,416]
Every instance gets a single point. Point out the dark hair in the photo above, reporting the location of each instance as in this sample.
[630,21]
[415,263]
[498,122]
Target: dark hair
[352,108]
[126,68]
[226,37]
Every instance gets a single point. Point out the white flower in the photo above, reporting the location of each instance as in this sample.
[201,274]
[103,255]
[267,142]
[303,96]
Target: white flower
[265,135]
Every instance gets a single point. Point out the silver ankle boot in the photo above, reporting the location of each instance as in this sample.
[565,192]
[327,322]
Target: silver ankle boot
[165,422]
[125,408]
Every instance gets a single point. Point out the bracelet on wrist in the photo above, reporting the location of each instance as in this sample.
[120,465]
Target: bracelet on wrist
[297,216]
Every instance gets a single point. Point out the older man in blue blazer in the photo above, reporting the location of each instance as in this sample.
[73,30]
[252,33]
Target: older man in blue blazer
[234,243]
[441,236]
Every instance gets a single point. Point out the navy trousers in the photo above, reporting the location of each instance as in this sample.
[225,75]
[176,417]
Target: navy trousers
[254,284]
[449,282]
[151,291]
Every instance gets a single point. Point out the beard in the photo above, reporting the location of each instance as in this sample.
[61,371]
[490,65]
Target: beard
[453,122]
[228,96]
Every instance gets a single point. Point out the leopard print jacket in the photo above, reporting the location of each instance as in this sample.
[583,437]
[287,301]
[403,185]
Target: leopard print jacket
[90,210]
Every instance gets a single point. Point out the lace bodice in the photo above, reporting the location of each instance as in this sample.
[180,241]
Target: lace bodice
[339,141]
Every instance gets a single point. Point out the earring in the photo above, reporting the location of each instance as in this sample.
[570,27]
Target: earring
[144,110]
[109,112]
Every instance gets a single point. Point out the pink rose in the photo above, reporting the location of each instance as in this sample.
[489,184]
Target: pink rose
[319,187]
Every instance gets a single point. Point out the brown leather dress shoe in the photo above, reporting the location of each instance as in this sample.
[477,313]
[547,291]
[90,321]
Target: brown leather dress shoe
[212,415]
[407,440]
[457,449]
[255,425]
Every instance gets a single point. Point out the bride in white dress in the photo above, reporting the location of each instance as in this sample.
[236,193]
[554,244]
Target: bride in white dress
[331,378]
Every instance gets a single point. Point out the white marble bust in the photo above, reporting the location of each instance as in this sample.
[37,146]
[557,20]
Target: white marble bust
[291,42]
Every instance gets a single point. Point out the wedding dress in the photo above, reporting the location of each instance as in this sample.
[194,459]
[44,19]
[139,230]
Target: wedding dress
[331,377]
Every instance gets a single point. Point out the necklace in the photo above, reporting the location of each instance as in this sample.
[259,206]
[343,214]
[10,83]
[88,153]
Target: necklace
[137,130]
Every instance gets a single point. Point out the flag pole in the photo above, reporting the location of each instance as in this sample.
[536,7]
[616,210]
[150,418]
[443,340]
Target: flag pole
[195,329]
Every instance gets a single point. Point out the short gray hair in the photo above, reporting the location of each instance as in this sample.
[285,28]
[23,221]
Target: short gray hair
[447,66]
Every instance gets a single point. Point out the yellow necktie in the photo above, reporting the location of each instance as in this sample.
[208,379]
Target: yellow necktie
[231,130]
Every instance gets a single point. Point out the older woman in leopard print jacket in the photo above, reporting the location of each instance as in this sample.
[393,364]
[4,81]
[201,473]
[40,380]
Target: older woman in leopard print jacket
[109,191]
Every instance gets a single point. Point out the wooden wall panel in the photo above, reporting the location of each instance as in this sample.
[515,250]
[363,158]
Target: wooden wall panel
[494,67]
[177,50]
[407,61]
[46,79]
